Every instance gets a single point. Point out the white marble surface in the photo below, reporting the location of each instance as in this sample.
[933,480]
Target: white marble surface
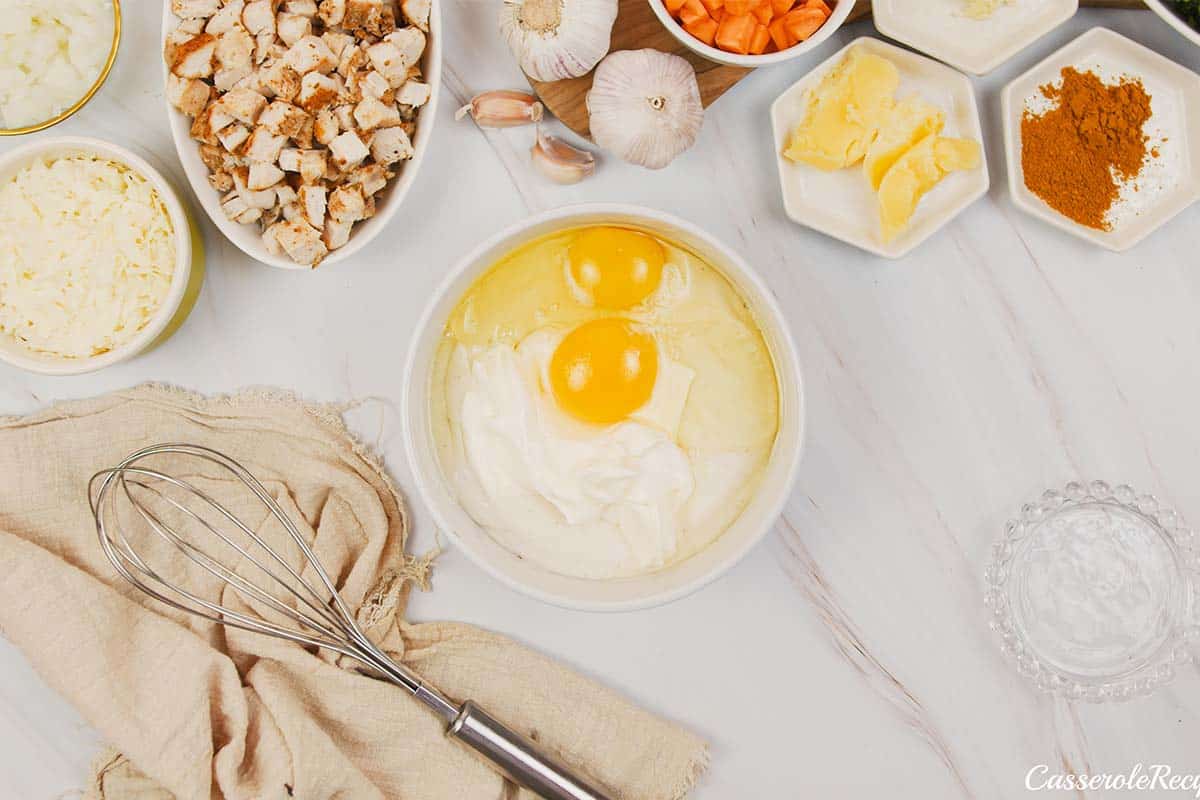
[848,656]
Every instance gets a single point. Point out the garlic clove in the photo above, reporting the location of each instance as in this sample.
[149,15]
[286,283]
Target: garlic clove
[556,39]
[559,161]
[645,106]
[502,108]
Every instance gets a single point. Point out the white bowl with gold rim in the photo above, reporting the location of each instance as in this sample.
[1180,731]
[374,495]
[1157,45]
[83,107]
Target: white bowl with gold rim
[621,594]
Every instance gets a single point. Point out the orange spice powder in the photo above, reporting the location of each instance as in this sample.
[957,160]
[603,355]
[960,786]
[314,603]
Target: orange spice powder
[1077,155]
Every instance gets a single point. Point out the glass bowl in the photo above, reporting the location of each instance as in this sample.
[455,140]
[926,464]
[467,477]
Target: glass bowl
[1092,591]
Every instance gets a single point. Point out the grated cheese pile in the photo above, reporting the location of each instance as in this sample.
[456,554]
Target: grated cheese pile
[51,52]
[87,251]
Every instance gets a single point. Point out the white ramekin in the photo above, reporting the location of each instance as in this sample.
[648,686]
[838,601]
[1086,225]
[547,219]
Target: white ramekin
[624,594]
[173,309]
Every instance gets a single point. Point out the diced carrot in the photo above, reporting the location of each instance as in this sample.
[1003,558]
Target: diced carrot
[713,5]
[820,5]
[719,14]
[781,7]
[735,32]
[779,35]
[760,40]
[693,11]
[763,13]
[705,30]
[802,23]
[739,7]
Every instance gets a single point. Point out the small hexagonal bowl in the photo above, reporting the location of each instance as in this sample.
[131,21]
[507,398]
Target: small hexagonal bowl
[842,204]
[1168,184]
[940,28]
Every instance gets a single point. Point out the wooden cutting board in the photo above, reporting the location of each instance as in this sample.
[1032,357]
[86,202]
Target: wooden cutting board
[637,27]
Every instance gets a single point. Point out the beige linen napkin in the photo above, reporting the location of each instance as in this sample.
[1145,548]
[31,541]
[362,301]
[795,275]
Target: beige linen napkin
[195,711]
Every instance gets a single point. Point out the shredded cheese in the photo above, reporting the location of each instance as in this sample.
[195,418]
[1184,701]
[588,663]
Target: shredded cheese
[87,251]
[51,52]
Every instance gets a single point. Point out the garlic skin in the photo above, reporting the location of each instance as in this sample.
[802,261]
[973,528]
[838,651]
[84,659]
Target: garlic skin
[502,108]
[556,39]
[645,106]
[559,161]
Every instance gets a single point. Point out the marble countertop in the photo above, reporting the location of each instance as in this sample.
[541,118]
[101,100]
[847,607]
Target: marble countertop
[848,655]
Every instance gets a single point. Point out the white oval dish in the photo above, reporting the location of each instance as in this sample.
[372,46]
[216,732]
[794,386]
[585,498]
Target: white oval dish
[1174,20]
[841,204]
[840,11]
[1175,99]
[17,354]
[248,238]
[624,594]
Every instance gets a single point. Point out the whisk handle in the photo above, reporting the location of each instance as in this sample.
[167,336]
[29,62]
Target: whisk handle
[517,757]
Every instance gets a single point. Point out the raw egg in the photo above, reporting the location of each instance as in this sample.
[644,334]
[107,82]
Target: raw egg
[604,370]
[616,267]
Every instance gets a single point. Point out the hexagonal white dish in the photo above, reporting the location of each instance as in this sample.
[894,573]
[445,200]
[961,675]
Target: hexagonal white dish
[1167,184]
[842,204]
[941,29]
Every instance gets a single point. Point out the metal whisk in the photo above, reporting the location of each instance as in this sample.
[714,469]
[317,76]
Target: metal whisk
[199,525]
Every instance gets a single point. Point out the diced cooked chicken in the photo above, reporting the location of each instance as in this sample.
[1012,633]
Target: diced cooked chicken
[221,181]
[312,203]
[258,18]
[283,81]
[416,12]
[332,12]
[284,194]
[291,28]
[325,127]
[189,95]
[263,176]
[263,45]
[235,50]
[262,199]
[373,84]
[371,177]
[226,79]
[369,210]
[336,234]
[191,26]
[305,8]
[194,57]
[229,16]
[192,9]
[348,150]
[312,165]
[346,204]
[317,91]
[389,145]
[264,145]
[411,44]
[371,114]
[310,53]
[413,93]
[301,241]
[337,42]
[360,13]
[283,118]
[351,60]
[210,122]
[244,105]
[271,240]
[233,137]
[292,211]
[236,208]
[345,116]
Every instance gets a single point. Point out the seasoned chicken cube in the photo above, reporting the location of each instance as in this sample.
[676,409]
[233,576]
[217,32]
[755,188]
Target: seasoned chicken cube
[326,127]
[348,150]
[189,95]
[258,18]
[221,181]
[377,86]
[289,159]
[317,91]
[284,194]
[216,159]
[346,204]
[312,202]
[413,93]
[244,105]
[312,165]
[263,176]
[352,58]
[345,116]
[194,57]
[210,122]
[371,114]
[332,12]
[293,211]
[305,8]
[283,118]
[233,137]
[389,145]
[369,211]
[336,234]
[416,12]
[410,42]
[283,81]
[263,199]
[226,79]
[292,27]
[191,26]
[263,44]
[309,54]
[388,61]
[235,50]
[236,208]
[301,241]
[227,18]
[271,240]
[360,12]
[371,178]
[304,137]
[264,145]
[191,9]
[337,42]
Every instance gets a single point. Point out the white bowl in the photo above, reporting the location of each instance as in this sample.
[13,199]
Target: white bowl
[1165,11]
[173,309]
[841,10]
[940,29]
[624,594]
[1175,98]
[841,203]
[248,238]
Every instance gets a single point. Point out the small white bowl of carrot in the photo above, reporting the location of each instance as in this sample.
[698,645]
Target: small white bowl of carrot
[751,33]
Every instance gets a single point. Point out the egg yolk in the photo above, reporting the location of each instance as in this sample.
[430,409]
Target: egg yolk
[604,370]
[618,268]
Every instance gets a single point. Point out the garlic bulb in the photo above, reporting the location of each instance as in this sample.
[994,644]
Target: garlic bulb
[556,39]
[645,106]
[559,161]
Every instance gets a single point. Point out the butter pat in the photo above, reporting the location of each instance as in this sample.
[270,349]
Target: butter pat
[910,121]
[844,112]
[917,171]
